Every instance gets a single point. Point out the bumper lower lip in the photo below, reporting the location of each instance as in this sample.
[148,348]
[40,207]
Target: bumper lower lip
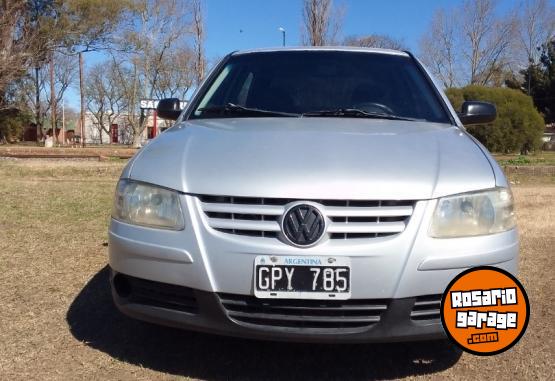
[204,311]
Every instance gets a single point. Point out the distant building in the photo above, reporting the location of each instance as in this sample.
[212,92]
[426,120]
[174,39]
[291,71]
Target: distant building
[120,132]
[549,133]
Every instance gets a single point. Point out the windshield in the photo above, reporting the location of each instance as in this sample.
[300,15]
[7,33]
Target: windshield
[320,83]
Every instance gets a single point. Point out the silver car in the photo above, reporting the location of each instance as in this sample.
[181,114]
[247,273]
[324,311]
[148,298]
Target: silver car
[309,194]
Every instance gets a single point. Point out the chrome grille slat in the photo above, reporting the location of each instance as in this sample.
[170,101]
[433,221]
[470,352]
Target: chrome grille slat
[238,304]
[306,318]
[415,315]
[267,210]
[426,307]
[371,211]
[236,224]
[378,221]
[347,219]
[427,303]
[366,227]
[330,211]
[304,314]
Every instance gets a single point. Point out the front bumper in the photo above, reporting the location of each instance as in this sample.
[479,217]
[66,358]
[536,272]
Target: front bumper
[405,319]
[402,270]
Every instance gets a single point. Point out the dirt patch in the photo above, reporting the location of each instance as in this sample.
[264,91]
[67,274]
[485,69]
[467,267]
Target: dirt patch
[58,321]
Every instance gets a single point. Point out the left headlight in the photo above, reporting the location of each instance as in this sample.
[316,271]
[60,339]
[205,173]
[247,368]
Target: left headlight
[473,214]
[147,205]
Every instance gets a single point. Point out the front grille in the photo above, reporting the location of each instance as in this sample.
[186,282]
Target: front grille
[259,217]
[426,308]
[155,294]
[304,314]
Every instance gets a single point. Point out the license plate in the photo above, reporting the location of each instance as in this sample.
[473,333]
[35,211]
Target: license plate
[302,277]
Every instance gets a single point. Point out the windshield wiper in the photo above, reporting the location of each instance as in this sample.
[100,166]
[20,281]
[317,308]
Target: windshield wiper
[355,113]
[232,108]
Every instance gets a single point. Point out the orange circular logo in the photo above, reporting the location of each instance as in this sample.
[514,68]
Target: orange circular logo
[485,310]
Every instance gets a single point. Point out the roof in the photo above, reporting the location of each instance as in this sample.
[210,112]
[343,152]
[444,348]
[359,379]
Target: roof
[323,48]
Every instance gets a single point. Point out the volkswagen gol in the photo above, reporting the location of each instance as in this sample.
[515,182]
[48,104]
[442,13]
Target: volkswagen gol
[309,194]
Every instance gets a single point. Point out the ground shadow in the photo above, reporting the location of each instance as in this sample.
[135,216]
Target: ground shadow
[93,319]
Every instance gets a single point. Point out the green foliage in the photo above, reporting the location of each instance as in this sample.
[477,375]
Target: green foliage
[88,24]
[542,158]
[518,127]
[12,124]
[519,160]
[540,79]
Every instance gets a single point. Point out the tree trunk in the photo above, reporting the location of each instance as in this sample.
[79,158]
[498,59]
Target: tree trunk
[136,139]
[38,116]
[82,95]
[53,101]
[138,130]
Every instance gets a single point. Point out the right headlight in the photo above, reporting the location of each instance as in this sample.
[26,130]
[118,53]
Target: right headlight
[147,205]
[472,214]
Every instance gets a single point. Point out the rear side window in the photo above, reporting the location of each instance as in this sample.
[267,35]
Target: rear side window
[307,81]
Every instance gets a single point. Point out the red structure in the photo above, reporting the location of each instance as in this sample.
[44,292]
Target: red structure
[114,133]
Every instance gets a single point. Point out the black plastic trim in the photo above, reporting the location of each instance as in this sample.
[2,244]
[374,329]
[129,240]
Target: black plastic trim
[394,325]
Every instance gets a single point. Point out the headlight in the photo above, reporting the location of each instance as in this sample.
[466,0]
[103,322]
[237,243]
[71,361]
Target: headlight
[472,214]
[147,205]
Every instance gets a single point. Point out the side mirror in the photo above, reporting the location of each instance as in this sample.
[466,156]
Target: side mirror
[473,112]
[169,108]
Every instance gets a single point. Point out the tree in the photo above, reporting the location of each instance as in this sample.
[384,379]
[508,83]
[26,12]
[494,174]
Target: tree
[471,40]
[96,19]
[322,22]
[198,45]
[545,99]
[12,123]
[13,43]
[439,50]
[485,39]
[375,41]
[131,84]
[177,74]
[536,25]
[31,30]
[65,75]
[538,81]
[105,95]
[154,42]
[22,93]
[25,30]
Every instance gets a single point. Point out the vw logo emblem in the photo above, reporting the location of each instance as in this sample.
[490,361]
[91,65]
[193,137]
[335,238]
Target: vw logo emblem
[303,225]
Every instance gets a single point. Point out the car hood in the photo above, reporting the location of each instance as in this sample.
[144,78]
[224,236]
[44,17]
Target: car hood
[314,158]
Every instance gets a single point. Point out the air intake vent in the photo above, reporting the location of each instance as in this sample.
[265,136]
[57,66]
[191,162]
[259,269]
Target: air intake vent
[304,314]
[259,217]
[156,294]
[426,308]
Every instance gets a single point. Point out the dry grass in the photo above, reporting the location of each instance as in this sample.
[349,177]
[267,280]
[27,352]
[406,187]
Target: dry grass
[89,150]
[57,320]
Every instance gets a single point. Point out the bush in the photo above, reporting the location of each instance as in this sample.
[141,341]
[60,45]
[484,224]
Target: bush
[12,124]
[518,127]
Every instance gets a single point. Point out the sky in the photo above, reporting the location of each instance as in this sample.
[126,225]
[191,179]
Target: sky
[245,24]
